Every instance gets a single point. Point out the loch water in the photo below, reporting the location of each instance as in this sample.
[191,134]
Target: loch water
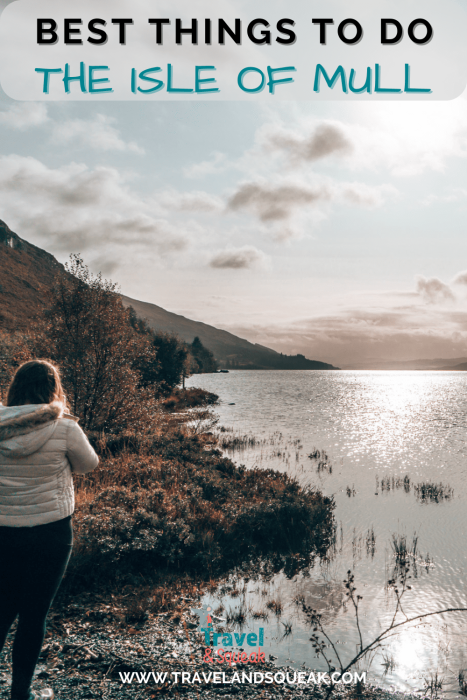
[384,435]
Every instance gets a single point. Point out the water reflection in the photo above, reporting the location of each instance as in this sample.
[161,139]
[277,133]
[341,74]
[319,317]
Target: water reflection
[396,465]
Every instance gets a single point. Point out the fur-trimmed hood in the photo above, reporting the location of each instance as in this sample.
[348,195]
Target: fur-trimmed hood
[25,429]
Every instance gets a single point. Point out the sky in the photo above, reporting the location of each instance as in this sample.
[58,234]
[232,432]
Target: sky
[333,229]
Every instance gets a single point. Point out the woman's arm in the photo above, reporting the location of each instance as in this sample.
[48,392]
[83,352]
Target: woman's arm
[79,452]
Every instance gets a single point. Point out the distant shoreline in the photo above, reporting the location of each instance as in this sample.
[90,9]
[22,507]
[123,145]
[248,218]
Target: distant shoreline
[343,369]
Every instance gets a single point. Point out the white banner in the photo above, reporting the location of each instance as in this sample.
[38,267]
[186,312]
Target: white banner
[230,50]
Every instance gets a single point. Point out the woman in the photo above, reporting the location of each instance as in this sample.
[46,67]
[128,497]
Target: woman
[40,446]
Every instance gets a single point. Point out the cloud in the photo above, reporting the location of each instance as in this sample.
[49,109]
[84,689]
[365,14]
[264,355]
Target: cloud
[243,258]
[275,203]
[24,115]
[327,139]
[216,164]
[456,195]
[196,201]
[98,133]
[368,325]
[375,137]
[368,196]
[433,290]
[460,278]
[354,334]
[77,208]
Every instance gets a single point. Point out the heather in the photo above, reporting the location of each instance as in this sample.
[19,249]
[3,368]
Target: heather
[177,504]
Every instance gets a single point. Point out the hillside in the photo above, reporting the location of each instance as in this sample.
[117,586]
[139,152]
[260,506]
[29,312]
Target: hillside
[27,272]
[228,349]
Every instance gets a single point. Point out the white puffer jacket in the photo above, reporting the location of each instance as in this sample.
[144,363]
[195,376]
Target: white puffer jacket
[40,446]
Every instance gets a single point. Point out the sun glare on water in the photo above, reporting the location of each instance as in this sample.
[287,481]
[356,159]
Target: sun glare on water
[409,656]
[390,405]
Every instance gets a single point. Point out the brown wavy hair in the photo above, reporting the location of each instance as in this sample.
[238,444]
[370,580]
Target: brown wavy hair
[36,381]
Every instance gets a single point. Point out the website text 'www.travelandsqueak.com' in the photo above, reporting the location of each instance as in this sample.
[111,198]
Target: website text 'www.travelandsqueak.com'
[289,678]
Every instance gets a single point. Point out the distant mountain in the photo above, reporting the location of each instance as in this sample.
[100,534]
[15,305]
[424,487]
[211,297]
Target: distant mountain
[228,349]
[441,364]
[27,272]
[462,367]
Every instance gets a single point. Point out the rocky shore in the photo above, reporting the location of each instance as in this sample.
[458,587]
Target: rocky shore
[92,651]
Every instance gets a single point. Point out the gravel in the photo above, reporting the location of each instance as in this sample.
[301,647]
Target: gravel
[88,647]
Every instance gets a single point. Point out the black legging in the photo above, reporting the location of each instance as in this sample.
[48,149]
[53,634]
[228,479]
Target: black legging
[32,563]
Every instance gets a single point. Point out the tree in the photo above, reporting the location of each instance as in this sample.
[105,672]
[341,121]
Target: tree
[87,331]
[203,358]
[172,357]
[172,354]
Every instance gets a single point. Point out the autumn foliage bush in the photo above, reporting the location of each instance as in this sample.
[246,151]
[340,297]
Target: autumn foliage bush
[177,506]
[87,332]
[183,399]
